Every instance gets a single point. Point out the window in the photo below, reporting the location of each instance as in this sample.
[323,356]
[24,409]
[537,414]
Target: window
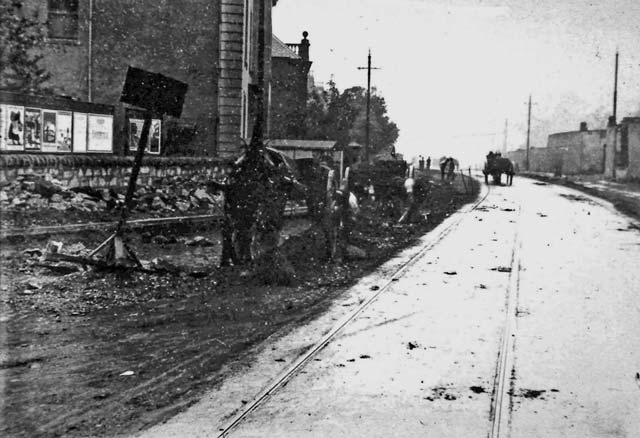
[63,19]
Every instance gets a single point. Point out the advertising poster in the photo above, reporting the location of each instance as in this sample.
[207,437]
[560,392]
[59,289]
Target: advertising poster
[63,132]
[3,111]
[155,135]
[79,132]
[100,133]
[49,131]
[32,129]
[14,128]
[135,131]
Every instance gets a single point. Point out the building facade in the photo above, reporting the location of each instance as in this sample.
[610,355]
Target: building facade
[213,46]
[613,152]
[289,87]
[578,151]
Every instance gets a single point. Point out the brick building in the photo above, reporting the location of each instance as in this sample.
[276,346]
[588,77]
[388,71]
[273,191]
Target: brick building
[210,45]
[289,87]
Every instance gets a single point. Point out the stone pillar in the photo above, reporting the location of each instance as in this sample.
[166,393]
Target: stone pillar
[303,50]
[613,143]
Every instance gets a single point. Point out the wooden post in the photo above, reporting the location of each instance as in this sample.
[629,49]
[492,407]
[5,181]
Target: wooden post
[528,134]
[118,252]
[135,171]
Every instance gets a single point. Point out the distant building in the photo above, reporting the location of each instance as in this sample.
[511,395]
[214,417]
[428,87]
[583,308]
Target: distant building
[289,87]
[613,152]
[320,150]
[210,45]
[578,151]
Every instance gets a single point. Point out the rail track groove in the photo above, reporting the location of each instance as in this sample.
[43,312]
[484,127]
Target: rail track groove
[500,411]
[288,373]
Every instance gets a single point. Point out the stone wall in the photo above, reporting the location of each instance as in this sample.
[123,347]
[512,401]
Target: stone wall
[583,152]
[540,159]
[576,152]
[104,172]
[634,151]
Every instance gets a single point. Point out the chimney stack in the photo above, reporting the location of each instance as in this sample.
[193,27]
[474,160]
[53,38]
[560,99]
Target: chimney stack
[583,126]
[303,51]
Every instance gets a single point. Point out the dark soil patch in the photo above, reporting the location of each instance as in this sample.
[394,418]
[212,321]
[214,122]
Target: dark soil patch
[530,393]
[577,198]
[477,389]
[441,392]
[70,341]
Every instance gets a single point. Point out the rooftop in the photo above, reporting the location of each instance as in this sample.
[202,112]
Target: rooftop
[281,50]
[324,145]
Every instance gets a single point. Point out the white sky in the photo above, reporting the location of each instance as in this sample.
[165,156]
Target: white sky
[454,69]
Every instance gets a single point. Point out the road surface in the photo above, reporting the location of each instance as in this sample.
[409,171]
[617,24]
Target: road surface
[519,318]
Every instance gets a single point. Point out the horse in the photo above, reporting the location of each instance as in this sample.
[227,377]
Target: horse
[256,193]
[495,166]
[448,167]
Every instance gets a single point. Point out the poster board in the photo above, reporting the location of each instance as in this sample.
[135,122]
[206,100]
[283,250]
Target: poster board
[51,124]
[154,143]
[12,128]
[2,113]
[80,133]
[100,133]
[32,129]
[49,130]
[64,138]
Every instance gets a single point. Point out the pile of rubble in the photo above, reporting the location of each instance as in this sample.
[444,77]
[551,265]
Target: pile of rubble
[33,193]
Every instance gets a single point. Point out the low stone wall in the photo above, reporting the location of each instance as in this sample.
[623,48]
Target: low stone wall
[106,171]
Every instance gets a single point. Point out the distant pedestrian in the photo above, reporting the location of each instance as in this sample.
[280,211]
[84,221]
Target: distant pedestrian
[421,163]
[443,167]
[428,163]
[451,169]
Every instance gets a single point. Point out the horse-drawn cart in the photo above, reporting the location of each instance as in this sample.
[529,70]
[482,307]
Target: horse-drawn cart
[495,166]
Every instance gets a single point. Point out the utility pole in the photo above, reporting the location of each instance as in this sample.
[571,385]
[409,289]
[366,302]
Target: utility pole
[528,134]
[367,126]
[615,92]
[506,130]
[614,120]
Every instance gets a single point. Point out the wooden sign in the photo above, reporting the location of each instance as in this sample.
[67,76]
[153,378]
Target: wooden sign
[154,92]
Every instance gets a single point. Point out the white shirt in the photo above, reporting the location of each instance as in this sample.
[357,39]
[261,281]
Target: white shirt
[408,185]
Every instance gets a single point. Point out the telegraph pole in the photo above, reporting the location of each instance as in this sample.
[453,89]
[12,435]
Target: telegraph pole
[367,126]
[615,92]
[614,120]
[506,130]
[528,134]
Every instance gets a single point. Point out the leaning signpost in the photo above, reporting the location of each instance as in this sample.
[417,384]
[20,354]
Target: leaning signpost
[158,95]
